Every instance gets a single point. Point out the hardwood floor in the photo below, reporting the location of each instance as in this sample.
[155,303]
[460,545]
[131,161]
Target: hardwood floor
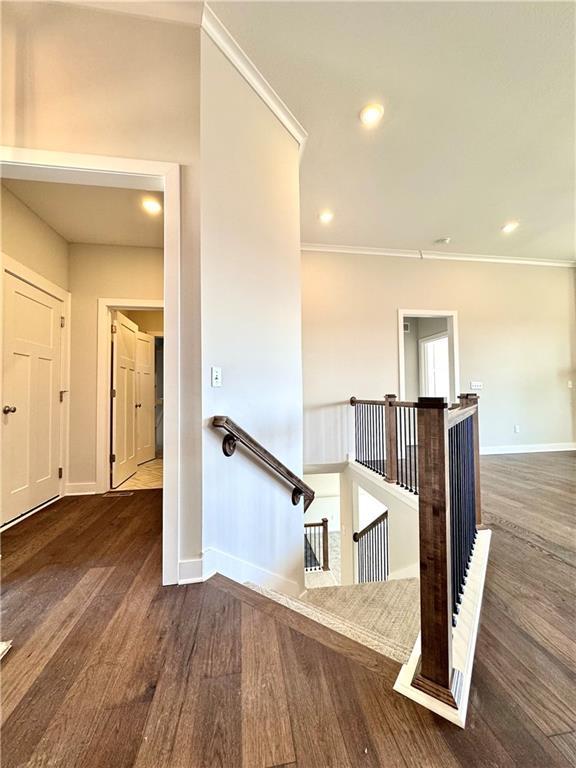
[109,669]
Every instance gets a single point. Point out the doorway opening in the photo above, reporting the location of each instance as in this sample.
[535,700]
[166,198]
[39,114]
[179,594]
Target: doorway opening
[428,354]
[137,399]
[79,473]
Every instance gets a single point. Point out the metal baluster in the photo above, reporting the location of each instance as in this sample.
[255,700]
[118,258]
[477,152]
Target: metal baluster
[397,414]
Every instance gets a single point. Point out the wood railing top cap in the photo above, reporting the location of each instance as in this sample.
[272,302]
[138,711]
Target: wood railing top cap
[432,402]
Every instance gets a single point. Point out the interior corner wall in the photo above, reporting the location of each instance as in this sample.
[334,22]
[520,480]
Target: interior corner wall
[251,327]
[77,79]
[27,238]
[517,332]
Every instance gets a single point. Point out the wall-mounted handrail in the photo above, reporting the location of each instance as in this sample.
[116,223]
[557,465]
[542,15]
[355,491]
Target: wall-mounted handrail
[235,434]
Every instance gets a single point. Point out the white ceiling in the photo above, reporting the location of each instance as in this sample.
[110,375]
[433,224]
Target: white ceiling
[478,129]
[87,214]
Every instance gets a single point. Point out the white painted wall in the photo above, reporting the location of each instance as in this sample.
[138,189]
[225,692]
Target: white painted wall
[326,500]
[99,271]
[27,238]
[517,330]
[251,327]
[76,79]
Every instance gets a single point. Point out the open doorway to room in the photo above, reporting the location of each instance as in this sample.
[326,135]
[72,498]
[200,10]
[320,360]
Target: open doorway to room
[428,354]
[137,407]
[78,230]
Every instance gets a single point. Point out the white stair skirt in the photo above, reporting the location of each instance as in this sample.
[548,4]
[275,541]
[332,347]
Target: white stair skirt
[463,642]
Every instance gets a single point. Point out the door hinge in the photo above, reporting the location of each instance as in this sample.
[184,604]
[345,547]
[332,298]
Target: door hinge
[112,458]
[62,321]
[60,473]
[62,395]
[112,393]
[113,329]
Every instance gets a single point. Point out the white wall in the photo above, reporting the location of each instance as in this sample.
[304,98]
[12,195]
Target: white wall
[96,82]
[326,488]
[251,326]
[517,331]
[98,271]
[27,238]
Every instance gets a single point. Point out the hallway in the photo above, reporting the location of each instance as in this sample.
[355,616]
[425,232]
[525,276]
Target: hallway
[108,668]
[148,476]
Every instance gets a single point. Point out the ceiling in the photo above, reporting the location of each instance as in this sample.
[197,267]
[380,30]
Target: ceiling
[478,126]
[96,215]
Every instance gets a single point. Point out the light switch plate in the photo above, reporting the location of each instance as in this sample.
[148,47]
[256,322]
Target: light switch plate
[476,385]
[216,376]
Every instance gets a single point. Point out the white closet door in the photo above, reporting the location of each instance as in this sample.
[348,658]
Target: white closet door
[31,408]
[145,406]
[124,401]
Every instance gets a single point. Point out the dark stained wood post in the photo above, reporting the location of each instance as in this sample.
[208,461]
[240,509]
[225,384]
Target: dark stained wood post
[466,400]
[391,448]
[435,675]
[325,549]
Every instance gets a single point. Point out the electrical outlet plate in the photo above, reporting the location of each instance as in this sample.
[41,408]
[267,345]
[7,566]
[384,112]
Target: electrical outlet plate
[476,385]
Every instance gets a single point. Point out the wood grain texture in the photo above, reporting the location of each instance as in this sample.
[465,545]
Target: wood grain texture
[110,669]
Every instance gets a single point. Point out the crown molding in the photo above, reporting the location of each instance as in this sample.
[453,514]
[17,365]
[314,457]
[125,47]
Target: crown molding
[356,250]
[220,36]
[432,255]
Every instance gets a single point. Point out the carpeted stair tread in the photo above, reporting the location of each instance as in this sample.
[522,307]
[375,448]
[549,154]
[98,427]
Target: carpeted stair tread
[399,651]
[389,609]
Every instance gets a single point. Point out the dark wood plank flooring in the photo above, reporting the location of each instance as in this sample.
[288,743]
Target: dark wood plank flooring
[111,670]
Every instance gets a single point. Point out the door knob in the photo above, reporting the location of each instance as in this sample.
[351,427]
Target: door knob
[9,409]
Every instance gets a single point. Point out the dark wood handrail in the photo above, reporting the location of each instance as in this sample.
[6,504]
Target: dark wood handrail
[235,434]
[400,403]
[359,534]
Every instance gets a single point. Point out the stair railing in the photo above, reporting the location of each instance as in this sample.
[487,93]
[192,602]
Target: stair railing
[235,434]
[316,546]
[372,551]
[385,439]
[449,512]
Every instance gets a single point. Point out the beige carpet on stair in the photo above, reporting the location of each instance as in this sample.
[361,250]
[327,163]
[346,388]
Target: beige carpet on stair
[390,609]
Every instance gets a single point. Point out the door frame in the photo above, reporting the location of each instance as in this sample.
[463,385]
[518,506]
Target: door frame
[103,378]
[453,347]
[29,276]
[97,170]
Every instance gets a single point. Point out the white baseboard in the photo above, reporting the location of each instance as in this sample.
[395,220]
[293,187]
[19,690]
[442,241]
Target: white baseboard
[463,642]
[80,489]
[490,450]
[216,561]
[190,571]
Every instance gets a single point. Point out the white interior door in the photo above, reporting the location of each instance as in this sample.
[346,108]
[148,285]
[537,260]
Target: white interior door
[123,442]
[434,367]
[145,396]
[31,391]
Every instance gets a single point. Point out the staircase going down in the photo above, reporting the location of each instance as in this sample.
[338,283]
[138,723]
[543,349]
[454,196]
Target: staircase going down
[383,616]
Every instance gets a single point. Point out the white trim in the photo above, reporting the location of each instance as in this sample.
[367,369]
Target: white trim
[222,38]
[356,250]
[80,489]
[463,642]
[361,250]
[453,347]
[26,515]
[498,259]
[190,571]
[491,450]
[241,571]
[325,469]
[19,162]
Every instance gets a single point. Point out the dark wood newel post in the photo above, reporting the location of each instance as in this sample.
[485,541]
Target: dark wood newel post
[325,549]
[467,400]
[391,446]
[435,675]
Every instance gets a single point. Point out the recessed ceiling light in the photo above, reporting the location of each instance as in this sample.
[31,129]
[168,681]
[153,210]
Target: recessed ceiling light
[510,226]
[371,115]
[326,216]
[443,240]
[151,206]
